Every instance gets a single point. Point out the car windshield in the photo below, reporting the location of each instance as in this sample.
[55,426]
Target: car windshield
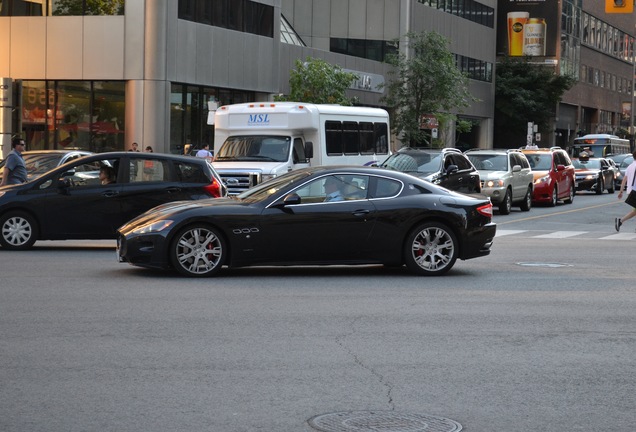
[628,160]
[255,148]
[540,162]
[264,190]
[586,164]
[489,162]
[422,162]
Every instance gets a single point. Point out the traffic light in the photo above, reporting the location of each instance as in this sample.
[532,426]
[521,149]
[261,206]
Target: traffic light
[619,6]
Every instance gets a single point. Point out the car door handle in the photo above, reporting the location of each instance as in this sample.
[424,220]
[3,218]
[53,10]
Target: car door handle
[110,193]
[361,212]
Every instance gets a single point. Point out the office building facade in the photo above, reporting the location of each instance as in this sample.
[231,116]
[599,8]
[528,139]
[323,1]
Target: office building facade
[144,70]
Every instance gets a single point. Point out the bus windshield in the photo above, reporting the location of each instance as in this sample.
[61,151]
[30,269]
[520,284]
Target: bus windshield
[599,145]
[255,148]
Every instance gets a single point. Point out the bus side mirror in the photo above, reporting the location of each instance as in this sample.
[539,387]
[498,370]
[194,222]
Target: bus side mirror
[309,149]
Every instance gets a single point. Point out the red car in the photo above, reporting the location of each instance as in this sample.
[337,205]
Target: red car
[553,175]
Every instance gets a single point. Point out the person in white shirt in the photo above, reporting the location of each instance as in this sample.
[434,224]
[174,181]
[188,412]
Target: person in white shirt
[628,180]
[205,152]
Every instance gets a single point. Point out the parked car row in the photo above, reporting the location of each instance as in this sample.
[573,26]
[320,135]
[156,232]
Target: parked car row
[510,177]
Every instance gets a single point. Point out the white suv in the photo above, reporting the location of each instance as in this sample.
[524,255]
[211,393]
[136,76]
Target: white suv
[506,177]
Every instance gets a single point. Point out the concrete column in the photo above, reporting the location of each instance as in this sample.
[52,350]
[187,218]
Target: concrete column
[6,109]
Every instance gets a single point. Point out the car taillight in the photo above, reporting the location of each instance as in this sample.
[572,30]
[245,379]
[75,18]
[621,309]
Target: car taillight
[214,188]
[485,210]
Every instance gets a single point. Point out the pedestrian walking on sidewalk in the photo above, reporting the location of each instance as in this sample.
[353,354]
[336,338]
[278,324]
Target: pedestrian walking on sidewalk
[628,180]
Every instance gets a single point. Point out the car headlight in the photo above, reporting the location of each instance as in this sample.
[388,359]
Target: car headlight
[494,183]
[153,227]
[265,177]
[544,179]
[590,177]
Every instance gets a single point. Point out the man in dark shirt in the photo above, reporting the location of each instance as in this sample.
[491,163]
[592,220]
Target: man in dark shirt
[15,171]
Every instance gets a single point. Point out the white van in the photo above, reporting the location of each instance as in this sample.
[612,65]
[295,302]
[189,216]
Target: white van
[254,142]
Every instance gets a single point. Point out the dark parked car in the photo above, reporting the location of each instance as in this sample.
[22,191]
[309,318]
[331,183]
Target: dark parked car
[447,167]
[593,174]
[40,161]
[385,217]
[623,163]
[70,202]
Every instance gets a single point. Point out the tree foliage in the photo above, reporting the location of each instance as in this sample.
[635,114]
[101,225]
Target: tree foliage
[424,81]
[317,81]
[93,7]
[525,92]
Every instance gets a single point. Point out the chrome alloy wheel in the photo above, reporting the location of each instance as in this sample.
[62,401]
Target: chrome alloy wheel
[198,251]
[432,249]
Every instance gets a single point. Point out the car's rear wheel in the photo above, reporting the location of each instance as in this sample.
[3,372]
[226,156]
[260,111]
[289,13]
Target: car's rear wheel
[19,231]
[555,196]
[198,250]
[430,249]
[506,205]
[526,204]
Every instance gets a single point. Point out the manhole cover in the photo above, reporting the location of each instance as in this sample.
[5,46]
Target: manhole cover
[382,421]
[543,264]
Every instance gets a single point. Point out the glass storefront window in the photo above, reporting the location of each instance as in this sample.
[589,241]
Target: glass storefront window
[74,115]
[61,7]
[189,114]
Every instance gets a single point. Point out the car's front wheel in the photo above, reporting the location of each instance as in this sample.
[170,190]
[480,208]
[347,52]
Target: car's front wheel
[555,196]
[198,250]
[600,186]
[526,204]
[430,249]
[19,231]
[506,205]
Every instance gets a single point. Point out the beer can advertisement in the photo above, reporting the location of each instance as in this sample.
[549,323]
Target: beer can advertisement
[528,28]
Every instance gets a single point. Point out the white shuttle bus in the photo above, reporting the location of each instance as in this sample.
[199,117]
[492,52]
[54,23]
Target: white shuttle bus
[254,142]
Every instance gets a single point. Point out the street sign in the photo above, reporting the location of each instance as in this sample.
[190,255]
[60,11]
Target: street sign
[619,6]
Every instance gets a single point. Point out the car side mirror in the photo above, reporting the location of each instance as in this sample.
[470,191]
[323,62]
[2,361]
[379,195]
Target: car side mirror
[291,199]
[560,167]
[451,169]
[309,150]
[516,168]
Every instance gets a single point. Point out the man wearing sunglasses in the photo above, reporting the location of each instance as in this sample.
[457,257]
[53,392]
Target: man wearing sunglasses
[15,171]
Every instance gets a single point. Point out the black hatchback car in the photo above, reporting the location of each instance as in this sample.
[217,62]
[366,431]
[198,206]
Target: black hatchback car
[447,167]
[70,201]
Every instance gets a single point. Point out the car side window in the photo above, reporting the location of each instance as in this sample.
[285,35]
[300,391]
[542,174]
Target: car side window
[385,188]
[87,174]
[190,173]
[148,170]
[462,162]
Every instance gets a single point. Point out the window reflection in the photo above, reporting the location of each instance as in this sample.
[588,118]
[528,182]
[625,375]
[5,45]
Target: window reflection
[61,7]
[74,115]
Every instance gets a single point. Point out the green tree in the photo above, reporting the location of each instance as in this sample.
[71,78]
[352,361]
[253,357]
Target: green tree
[316,81]
[525,92]
[424,81]
[93,7]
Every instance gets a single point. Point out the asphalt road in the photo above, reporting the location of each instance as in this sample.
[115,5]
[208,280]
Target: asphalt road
[539,336]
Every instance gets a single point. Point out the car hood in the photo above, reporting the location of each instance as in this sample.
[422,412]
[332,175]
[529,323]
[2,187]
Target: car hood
[586,171]
[169,210]
[539,174]
[491,175]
